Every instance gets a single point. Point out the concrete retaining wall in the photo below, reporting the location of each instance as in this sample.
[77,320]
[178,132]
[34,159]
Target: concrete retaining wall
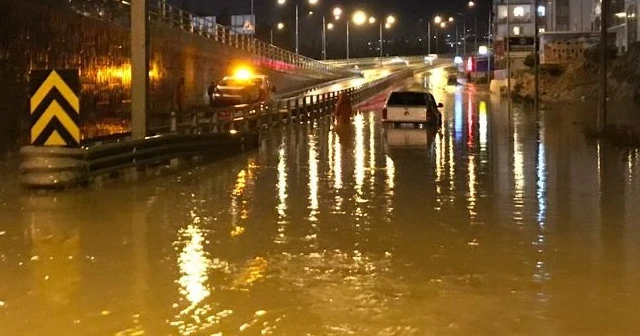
[36,37]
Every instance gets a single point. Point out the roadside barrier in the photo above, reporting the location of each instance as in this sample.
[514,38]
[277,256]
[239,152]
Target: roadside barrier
[207,133]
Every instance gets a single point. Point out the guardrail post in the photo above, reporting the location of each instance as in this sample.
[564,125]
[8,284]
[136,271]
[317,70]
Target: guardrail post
[214,123]
[173,128]
[289,111]
[297,109]
[245,120]
[194,123]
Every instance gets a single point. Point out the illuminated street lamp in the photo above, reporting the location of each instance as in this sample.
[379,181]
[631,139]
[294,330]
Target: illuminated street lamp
[330,26]
[471,4]
[387,25]
[337,13]
[391,19]
[311,3]
[359,17]
[443,25]
[437,19]
[372,20]
[279,26]
[451,19]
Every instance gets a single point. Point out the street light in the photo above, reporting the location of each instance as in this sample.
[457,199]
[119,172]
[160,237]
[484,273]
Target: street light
[279,26]
[471,4]
[372,20]
[437,19]
[387,25]
[311,3]
[391,19]
[359,17]
[330,26]
[451,19]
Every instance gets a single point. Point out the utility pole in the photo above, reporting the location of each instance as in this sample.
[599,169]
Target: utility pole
[604,55]
[139,68]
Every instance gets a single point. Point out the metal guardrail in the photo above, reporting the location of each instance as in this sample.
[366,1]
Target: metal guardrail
[205,133]
[176,17]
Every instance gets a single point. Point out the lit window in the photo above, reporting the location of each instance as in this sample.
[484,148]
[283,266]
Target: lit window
[542,10]
[541,30]
[518,11]
[516,30]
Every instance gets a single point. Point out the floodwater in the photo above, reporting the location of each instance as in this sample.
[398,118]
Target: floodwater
[503,223]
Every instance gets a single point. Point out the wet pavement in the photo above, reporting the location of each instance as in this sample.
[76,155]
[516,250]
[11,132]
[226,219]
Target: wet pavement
[502,223]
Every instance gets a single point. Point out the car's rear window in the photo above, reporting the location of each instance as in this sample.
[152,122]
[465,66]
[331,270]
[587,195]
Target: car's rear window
[407,98]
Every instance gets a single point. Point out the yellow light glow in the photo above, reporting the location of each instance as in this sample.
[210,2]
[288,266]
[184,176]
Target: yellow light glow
[391,19]
[372,20]
[451,19]
[437,19]
[337,11]
[330,26]
[443,25]
[243,73]
[359,17]
[280,25]
[387,25]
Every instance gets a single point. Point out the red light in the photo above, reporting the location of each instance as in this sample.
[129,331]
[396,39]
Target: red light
[470,64]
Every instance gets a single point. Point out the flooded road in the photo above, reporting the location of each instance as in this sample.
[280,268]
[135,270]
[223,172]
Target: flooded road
[502,223]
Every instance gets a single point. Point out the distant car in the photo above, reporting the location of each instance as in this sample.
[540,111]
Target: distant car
[415,107]
[430,58]
[243,90]
[452,75]
[396,60]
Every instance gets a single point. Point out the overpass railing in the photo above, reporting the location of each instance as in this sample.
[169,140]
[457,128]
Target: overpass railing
[206,133]
[162,12]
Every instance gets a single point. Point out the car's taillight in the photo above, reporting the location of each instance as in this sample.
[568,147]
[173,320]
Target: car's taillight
[384,113]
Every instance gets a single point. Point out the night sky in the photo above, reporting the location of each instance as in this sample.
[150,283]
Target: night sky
[411,15]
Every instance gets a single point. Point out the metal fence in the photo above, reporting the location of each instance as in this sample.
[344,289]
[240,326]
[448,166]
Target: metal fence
[176,17]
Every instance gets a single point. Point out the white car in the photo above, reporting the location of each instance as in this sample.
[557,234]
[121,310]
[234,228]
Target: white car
[430,58]
[415,107]
[244,90]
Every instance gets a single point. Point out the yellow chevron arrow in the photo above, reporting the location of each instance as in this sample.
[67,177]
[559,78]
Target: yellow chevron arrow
[55,81]
[55,110]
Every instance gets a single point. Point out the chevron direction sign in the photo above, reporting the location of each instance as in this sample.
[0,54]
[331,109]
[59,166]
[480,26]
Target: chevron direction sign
[55,108]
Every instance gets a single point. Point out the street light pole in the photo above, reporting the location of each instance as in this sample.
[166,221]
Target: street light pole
[464,36]
[381,54]
[429,37]
[271,36]
[457,42]
[347,40]
[297,26]
[324,38]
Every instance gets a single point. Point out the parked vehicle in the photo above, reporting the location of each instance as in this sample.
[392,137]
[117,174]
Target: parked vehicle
[415,107]
[243,87]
